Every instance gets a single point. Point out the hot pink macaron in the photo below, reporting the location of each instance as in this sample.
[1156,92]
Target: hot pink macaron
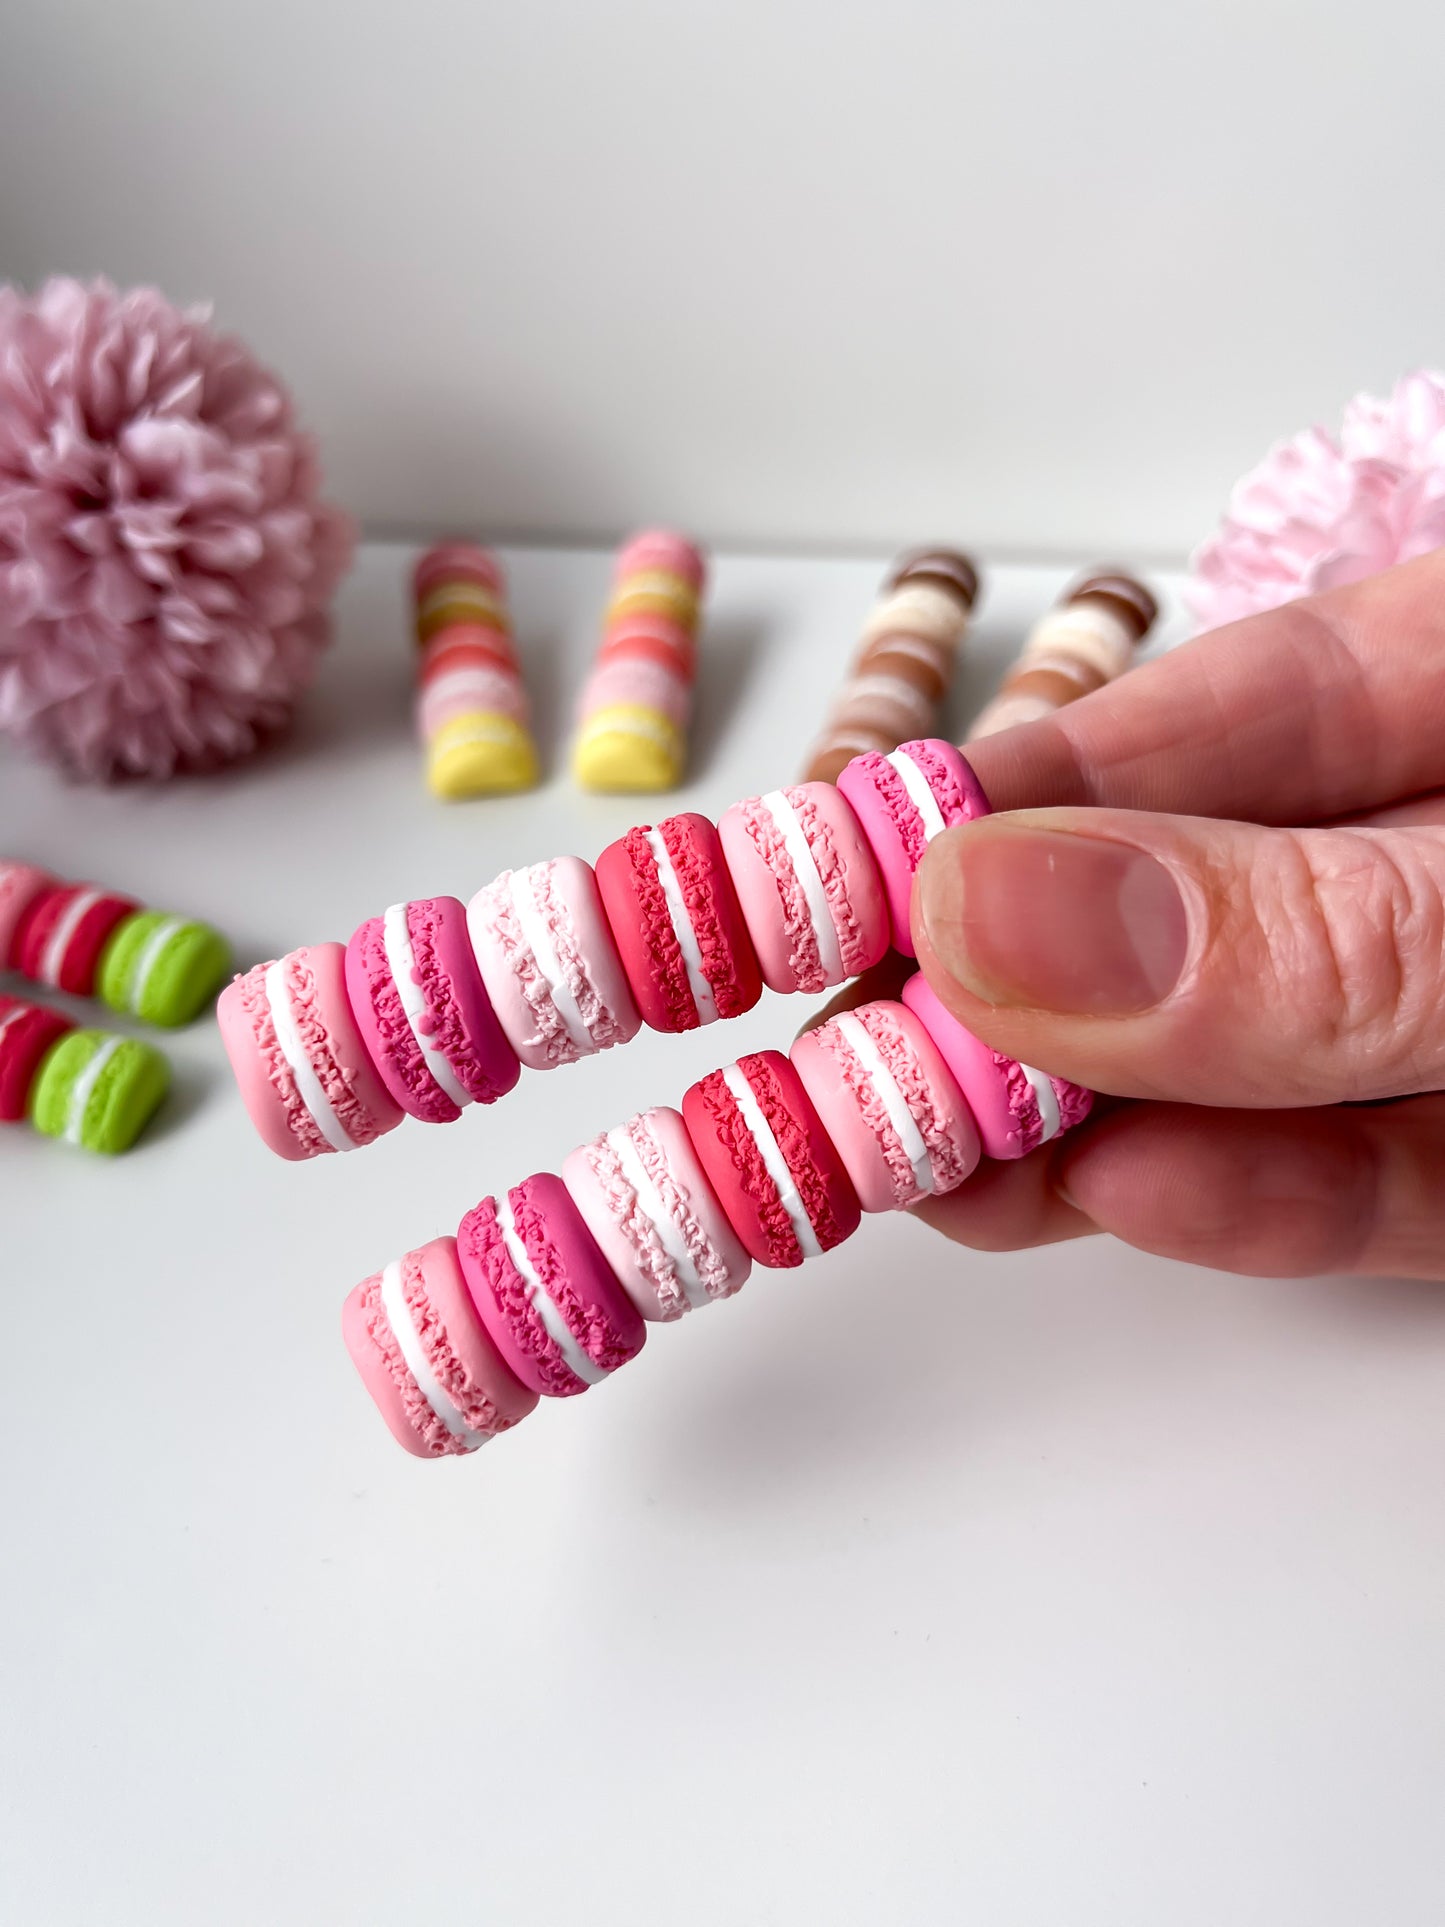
[544,1291]
[893,1107]
[20,885]
[770,1161]
[63,933]
[457,562]
[26,1033]
[646,1200]
[423,1013]
[546,955]
[676,921]
[903,800]
[808,884]
[437,1378]
[1015,1107]
[304,1072]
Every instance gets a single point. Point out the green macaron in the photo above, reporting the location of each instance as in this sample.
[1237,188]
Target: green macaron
[162,969]
[98,1091]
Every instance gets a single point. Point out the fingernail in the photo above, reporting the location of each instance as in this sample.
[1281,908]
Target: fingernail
[1048,920]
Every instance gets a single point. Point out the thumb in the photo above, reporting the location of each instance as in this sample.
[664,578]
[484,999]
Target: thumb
[1199,961]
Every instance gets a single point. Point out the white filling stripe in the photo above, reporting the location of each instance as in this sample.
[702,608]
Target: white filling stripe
[12,1017]
[54,954]
[1043,1090]
[150,956]
[288,1041]
[800,855]
[921,796]
[398,1316]
[863,1046]
[682,928]
[555,1325]
[83,1088]
[400,960]
[539,942]
[774,1162]
[668,1230]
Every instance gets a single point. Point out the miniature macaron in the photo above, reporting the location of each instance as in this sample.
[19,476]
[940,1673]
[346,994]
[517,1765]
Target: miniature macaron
[63,933]
[1015,1107]
[423,1012]
[20,885]
[903,800]
[549,964]
[894,1110]
[26,1033]
[423,1354]
[544,1291]
[162,969]
[98,1091]
[647,1202]
[298,1056]
[675,918]
[808,884]
[770,1161]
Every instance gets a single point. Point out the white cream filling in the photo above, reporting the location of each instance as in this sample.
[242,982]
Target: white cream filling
[1088,631]
[632,722]
[919,793]
[398,1316]
[400,960]
[877,687]
[466,594]
[800,855]
[775,1164]
[669,1232]
[149,957]
[682,928]
[53,955]
[539,941]
[860,1041]
[555,1325]
[1048,1103]
[12,1017]
[83,1088]
[288,1042]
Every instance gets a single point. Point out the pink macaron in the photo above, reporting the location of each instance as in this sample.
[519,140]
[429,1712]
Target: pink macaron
[893,1107]
[647,1202]
[772,1164]
[423,1013]
[544,1291]
[305,1075]
[20,885]
[903,800]
[549,964]
[457,562]
[423,1354]
[26,1033]
[63,932]
[808,884]
[679,930]
[1015,1107]
[665,551]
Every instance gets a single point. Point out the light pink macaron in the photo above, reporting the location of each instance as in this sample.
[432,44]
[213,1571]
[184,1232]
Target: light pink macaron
[305,1075]
[903,800]
[649,685]
[890,1103]
[464,691]
[21,885]
[810,890]
[665,551]
[644,1197]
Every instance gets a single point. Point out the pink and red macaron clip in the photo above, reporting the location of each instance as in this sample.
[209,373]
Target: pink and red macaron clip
[549,1287]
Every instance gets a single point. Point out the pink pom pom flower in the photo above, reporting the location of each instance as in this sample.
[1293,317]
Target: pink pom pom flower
[165,556]
[1319,512]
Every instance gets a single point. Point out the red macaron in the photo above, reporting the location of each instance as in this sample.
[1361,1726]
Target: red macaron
[26,1033]
[63,933]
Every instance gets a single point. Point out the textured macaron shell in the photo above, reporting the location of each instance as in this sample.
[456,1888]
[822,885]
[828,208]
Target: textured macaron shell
[808,884]
[646,1200]
[423,1354]
[679,930]
[544,1291]
[26,1033]
[20,885]
[423,1013]
[636,680]
[1015,1107]
[893,1108]
[304,1073]
[549,964]
[770,1161]
[63,933]
[163,969]
[98,1091]
[903,800]
[665,551]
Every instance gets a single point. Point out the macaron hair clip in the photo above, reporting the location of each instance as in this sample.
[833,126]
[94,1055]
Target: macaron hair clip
[82,1086]
[435,1005]
[1087,639]
[472,709]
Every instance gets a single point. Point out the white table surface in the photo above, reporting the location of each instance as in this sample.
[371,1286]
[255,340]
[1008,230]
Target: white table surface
[1066,1588]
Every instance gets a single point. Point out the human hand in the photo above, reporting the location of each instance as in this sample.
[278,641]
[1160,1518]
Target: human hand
[1230,914]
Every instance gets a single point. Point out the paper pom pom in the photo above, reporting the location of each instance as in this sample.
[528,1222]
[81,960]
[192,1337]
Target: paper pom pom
[1318,512]
[165,557]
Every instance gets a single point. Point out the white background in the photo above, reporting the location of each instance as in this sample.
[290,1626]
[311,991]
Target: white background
[1039,278]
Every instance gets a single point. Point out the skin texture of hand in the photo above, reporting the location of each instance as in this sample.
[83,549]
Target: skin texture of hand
[1215,890]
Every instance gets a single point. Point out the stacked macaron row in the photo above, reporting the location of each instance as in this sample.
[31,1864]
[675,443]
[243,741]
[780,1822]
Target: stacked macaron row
[82,1086]
[549,1287]
[472,710]
[436,1005]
